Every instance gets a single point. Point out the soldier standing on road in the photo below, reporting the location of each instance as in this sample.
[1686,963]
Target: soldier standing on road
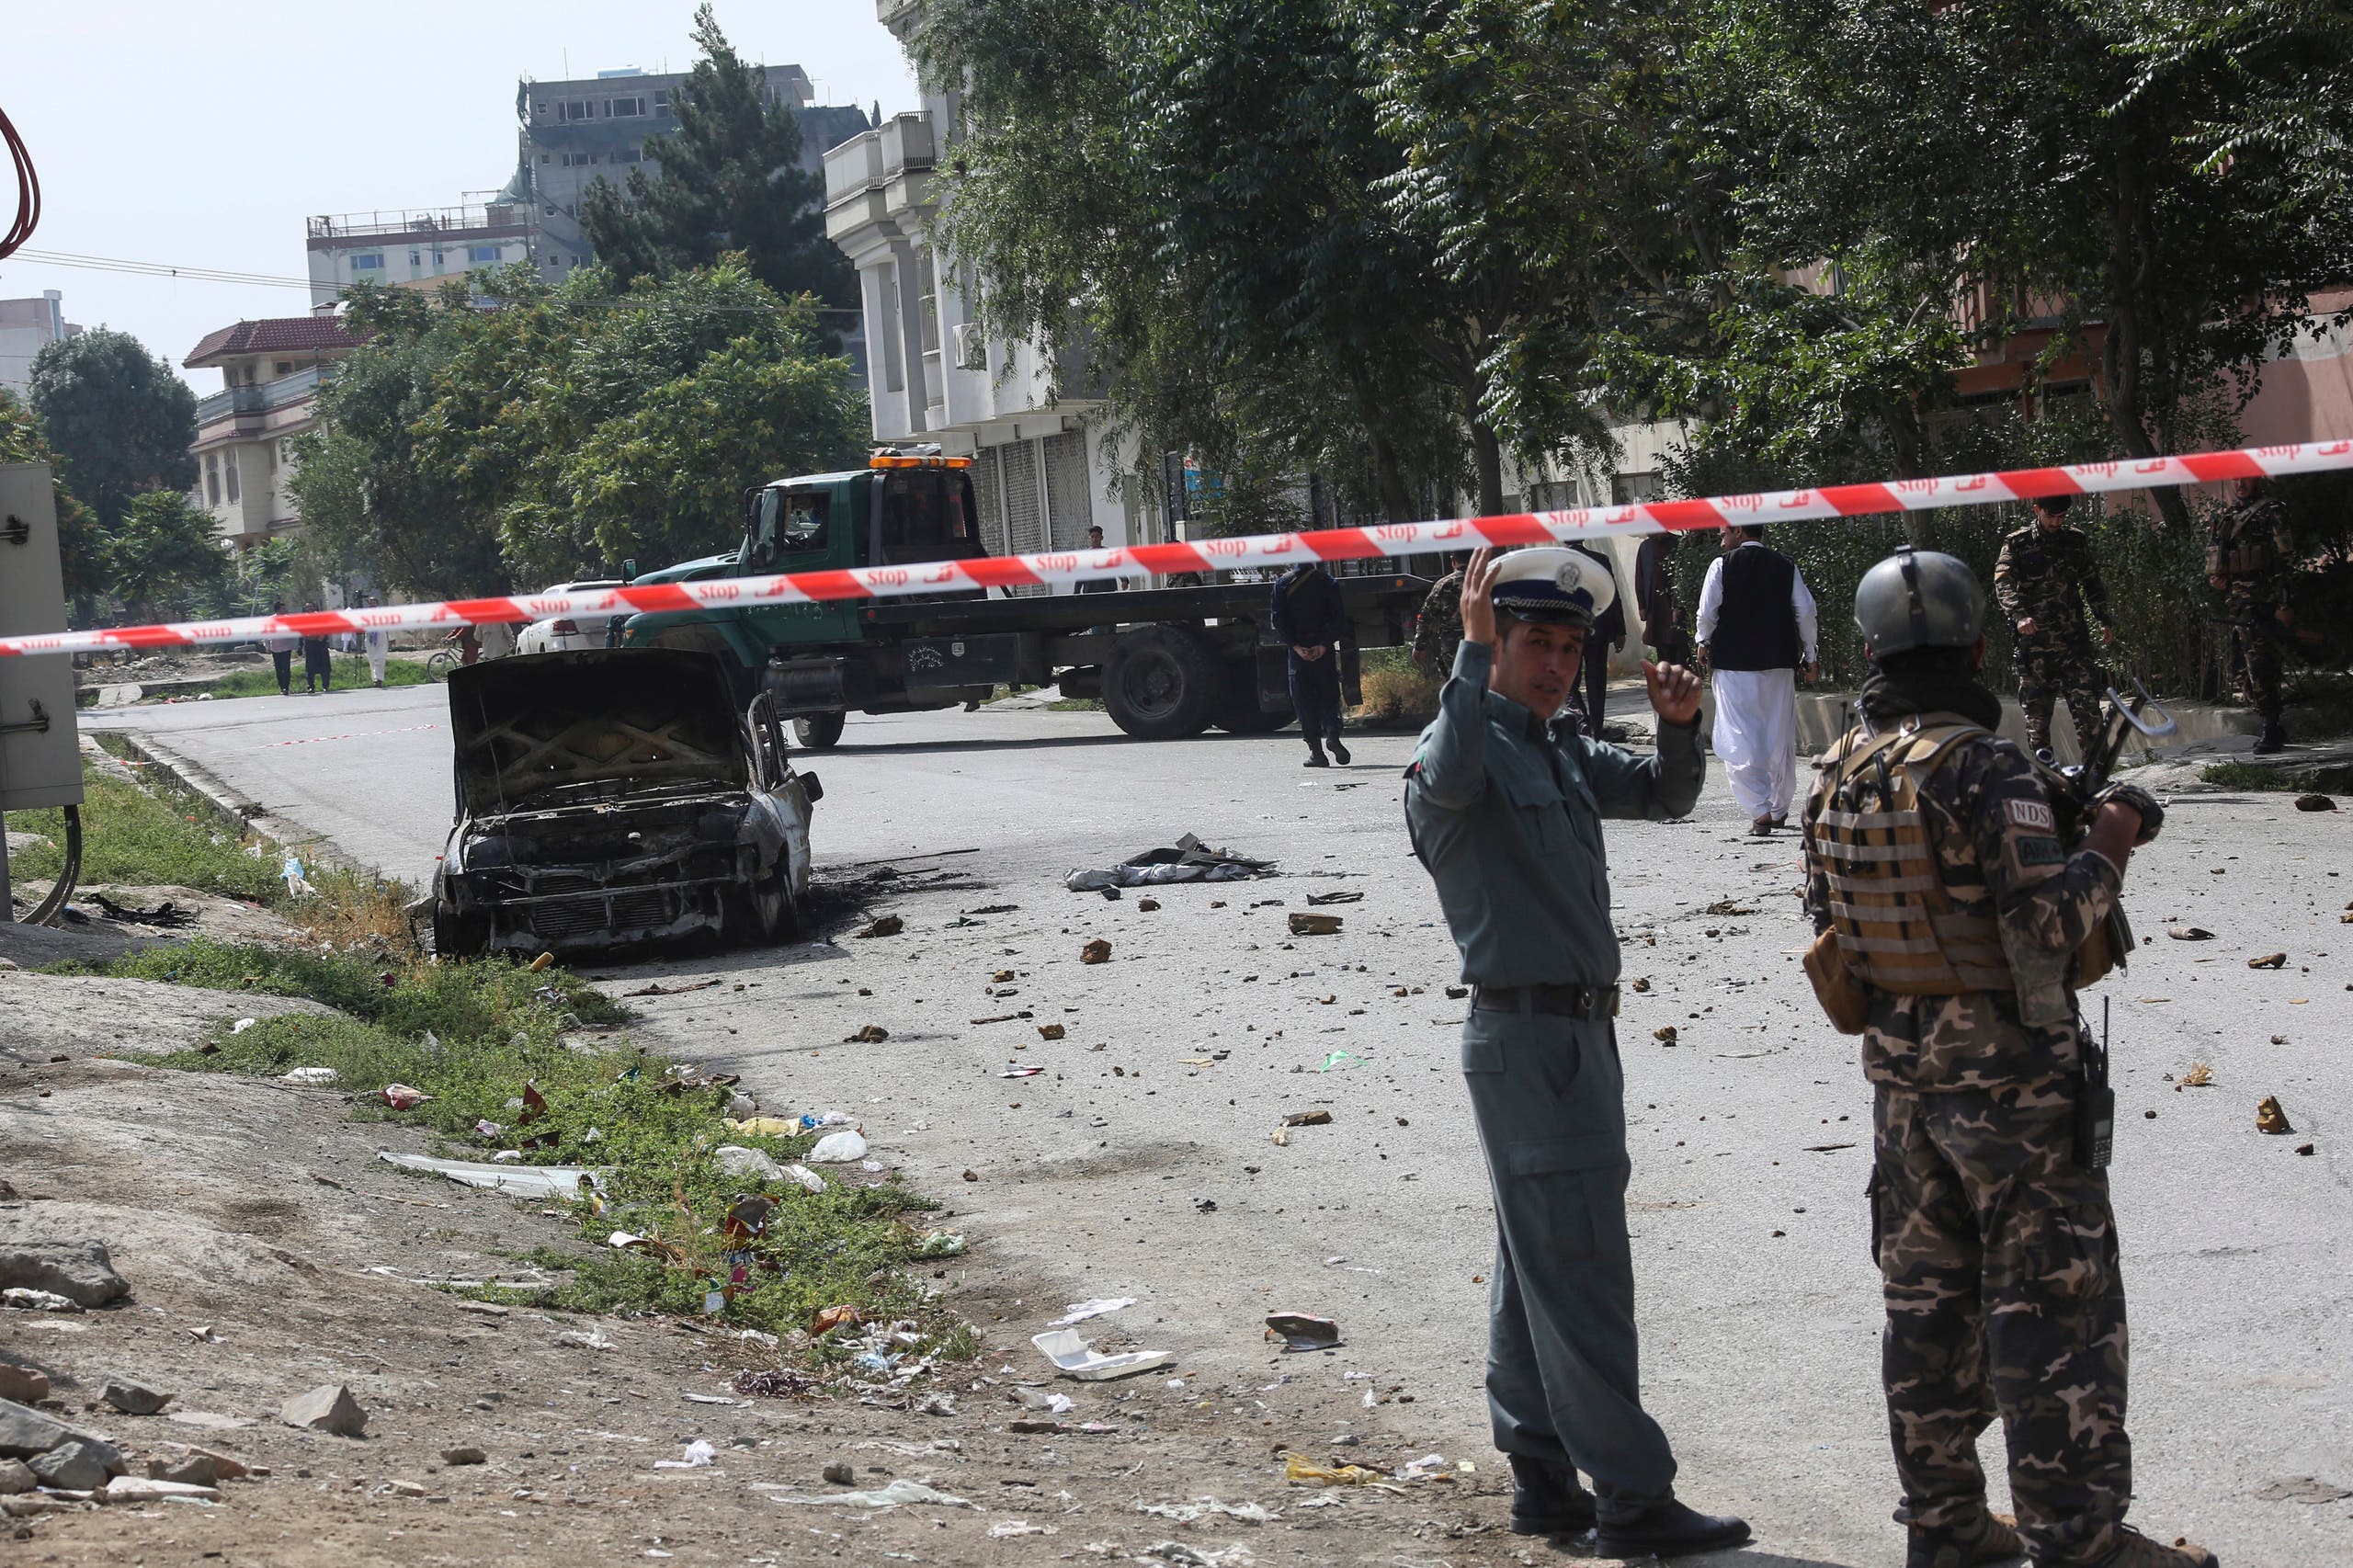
[1506,809]
[1437,628]
[2250,547]
[2044,578]
[1308,613]
[1932,850]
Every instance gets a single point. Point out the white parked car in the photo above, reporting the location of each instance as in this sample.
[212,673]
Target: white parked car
[567,633]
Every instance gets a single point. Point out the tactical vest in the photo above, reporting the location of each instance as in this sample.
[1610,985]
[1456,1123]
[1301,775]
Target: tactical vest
[1897,923]
[2240,548]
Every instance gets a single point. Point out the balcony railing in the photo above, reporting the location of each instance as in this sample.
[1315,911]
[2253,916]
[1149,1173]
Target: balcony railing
[299,387]
[902,145]
[426,220]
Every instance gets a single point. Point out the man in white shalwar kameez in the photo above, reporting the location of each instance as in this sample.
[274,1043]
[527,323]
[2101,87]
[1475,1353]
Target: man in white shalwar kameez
[1756,622]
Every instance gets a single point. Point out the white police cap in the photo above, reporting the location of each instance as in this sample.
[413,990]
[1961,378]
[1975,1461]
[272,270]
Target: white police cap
[1555,585]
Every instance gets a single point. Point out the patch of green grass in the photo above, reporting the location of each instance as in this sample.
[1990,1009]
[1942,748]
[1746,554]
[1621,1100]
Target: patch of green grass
[350,670]
[2287,781]
[473,1035]
[130,835]
[1076,705]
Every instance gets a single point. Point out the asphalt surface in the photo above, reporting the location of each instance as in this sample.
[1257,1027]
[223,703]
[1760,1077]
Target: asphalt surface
[1750,1132]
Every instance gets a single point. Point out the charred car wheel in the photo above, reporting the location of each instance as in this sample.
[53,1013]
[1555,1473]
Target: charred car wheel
[458,935]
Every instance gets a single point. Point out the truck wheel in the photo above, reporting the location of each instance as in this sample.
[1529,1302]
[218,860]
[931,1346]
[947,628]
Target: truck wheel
[1238,712]
[819,731]
[1162,683]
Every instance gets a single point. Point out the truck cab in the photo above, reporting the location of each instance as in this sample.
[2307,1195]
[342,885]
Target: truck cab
[909,505]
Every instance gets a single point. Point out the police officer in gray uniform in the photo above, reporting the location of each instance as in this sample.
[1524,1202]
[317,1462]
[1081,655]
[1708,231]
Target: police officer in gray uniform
[1505,808]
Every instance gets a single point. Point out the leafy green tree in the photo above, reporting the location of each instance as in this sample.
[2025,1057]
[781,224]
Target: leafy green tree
[466,450]
[118,415]
[165,558]
[730,180]
[22,440]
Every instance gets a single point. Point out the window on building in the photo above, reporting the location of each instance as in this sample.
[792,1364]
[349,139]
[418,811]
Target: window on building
[482,252]
[928,278]
[271,452]
[286,367]
[1628,489]
[625,109]
[230,463]
[575,109]
[417,258]
[370,262]
[436,258]
[662,104]
[213,477]
[894,369]
[627,155]
[546,158]
[285,449]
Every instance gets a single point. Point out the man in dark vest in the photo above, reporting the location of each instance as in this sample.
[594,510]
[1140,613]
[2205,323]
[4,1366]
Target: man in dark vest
[1309,615]
[1607,636]
[1756,624]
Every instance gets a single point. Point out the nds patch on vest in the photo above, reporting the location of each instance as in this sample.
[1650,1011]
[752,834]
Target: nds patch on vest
[2041,852]
[2033,813]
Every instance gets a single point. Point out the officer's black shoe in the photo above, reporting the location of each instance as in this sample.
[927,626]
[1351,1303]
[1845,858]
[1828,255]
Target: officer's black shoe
[1993,1538]
[1316,759]
[1547,1500]
[2274,738]
[1339,752]
[1668,1528]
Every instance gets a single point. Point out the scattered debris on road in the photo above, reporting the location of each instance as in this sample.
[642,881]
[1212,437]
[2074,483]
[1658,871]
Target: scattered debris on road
[1097,951]
[1188,860]
[1305,925]
[882,925]
[2268,960]
[1074,1358]
[1303,1331]
[2269,1118]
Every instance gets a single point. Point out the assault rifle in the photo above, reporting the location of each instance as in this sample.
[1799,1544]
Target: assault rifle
[2076,787]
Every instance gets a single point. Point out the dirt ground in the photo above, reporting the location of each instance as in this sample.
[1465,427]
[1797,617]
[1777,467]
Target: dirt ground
[270,1252]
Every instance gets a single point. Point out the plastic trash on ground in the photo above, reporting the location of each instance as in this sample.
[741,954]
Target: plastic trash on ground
[399,1096]
[515,1181]
[698,1453]
[846,1147]
[1077,1312]
[899,1492]
[314,1077]
[1306,1472]
[765,1126]
[1071,1354]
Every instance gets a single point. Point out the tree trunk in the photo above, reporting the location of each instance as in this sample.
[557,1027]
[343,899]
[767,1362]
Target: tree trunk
[1396,501]
[2120,350]
[1487,455]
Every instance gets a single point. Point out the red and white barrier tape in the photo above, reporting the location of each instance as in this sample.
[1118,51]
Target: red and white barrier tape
[1216,554]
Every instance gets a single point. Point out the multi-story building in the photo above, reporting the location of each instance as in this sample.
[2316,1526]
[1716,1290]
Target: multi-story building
[245,432]
[1040,472]
[603,127]
[414,248]
[28,326]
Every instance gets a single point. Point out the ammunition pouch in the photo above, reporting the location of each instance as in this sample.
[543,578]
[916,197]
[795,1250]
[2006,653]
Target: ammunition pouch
[1843,999]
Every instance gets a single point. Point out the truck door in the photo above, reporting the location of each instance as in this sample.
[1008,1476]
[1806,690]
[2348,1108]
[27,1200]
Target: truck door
[796,530]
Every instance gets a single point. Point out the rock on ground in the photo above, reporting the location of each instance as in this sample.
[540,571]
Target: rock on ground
[327,1408]
[134,1398]
[79,1271]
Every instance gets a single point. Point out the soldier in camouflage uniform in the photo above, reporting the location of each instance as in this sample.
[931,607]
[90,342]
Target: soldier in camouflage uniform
[2250,548]
[1932,853]
[2044,578]
[1438,630]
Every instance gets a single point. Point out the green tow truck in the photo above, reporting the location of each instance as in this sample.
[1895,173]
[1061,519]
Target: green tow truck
[1167,662]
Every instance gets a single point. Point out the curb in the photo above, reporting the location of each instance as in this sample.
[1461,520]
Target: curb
[236,812]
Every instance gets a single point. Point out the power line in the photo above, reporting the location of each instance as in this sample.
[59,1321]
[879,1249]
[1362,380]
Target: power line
[271,281]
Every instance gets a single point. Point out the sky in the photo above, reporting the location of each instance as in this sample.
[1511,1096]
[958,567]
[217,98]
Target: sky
[204,135]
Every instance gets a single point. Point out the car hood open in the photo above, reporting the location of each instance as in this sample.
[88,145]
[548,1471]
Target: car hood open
[633,718]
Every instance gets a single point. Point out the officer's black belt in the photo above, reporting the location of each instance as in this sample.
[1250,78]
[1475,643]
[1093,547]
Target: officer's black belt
[1561,1001]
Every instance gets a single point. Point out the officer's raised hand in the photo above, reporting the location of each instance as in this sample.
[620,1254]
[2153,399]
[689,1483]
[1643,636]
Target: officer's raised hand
[1675,692]
[1478,603]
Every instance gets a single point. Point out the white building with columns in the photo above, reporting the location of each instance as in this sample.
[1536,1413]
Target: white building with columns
[1040,471]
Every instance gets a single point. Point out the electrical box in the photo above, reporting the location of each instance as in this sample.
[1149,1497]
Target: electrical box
[40,759]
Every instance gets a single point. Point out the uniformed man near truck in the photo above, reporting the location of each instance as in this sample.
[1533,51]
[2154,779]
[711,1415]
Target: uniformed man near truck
[2250,552]
[1506,809]
[1952,921]
[2045,578]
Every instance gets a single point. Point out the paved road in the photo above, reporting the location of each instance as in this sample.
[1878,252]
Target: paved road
[1760,1304]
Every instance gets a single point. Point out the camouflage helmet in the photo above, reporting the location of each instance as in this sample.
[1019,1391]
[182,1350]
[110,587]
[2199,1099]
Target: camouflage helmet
[1918,598]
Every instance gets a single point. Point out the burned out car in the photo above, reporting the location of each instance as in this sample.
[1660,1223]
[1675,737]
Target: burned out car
[615,798]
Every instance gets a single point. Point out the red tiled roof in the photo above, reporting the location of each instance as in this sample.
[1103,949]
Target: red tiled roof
[273,335]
